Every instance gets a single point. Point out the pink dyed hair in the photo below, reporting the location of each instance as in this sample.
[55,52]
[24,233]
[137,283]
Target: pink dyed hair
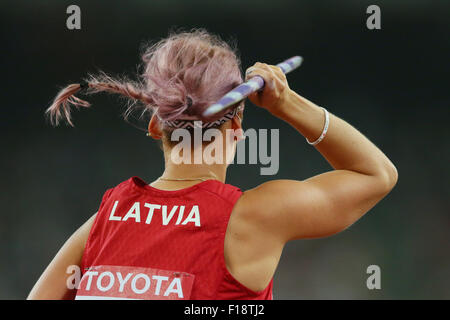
[183,74]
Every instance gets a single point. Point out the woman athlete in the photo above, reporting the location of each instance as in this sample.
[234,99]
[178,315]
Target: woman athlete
[188,234]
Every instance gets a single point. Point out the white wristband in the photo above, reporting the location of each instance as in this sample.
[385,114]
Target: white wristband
[325,129]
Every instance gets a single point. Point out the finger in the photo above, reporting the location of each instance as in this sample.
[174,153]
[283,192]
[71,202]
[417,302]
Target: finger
[254,66]
[263,69]
[276,69]
[248,73]
[255,97]
[278,72]
[258,66]
[273,76]
[269,77]
[256,71]
[252,73]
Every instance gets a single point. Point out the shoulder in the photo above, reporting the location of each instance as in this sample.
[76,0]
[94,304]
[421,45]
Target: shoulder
[272,195]
[227,192]
[131,183]
[267,208]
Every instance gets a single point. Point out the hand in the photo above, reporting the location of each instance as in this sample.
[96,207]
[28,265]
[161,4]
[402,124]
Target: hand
[275,91]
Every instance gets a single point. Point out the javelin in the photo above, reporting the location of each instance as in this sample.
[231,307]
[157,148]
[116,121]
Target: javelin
[254,84]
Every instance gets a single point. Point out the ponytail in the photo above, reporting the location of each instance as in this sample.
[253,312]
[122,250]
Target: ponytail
[183,75]
[60,109]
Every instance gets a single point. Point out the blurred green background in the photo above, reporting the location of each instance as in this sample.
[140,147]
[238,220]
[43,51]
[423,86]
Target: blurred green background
[392,84]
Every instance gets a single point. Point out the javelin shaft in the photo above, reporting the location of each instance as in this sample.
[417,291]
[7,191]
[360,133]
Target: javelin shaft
[254,84]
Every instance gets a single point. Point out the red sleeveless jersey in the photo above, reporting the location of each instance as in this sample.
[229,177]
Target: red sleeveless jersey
[147,243]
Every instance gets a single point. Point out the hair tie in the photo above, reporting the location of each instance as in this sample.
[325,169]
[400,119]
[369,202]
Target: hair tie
[189,101]
[84,85]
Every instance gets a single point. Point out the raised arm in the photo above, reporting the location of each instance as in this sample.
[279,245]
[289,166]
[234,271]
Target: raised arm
[327,203]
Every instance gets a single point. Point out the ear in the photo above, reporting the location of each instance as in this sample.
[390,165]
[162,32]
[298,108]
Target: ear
[153,128]
[236,125]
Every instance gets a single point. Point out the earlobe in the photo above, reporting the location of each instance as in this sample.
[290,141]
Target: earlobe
[154,129]
[236,122]
[236,125]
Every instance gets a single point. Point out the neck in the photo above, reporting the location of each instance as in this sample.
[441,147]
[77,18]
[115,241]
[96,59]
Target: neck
[203,170]
[191,171]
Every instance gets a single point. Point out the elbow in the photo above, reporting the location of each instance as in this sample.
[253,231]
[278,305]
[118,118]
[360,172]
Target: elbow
[393,176]
[389,177]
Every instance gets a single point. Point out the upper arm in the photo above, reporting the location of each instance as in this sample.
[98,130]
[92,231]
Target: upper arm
[52,283]
[317,207]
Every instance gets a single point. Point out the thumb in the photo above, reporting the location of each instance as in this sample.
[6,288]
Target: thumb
[255,98]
